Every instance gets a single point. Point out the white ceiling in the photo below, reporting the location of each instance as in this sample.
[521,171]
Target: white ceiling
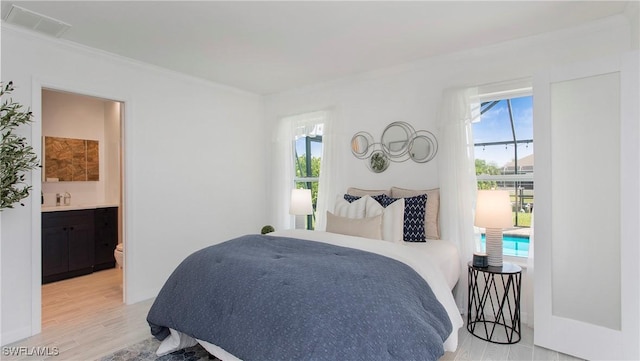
[266,47]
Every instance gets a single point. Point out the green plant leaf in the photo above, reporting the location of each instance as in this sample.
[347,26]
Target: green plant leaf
[16,155]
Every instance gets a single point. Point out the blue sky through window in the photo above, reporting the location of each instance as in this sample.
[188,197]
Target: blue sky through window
[494,126]
[316,148]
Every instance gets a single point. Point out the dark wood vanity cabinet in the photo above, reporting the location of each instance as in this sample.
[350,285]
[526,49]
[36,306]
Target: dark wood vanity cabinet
[78,242]
[67,244]
[106,237]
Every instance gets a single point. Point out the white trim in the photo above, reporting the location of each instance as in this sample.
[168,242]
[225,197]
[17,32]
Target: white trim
[505,90]
[16,335]
[36,217]
[629,207]
[1,334]
[306,179]
[506,177]
[520,261]
[39,83]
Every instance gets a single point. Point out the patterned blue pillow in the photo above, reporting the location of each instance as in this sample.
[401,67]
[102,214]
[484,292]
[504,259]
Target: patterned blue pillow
[384,200]
[349,198]
[414,208]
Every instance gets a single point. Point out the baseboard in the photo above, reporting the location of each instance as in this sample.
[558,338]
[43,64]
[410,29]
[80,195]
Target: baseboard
[16,335]
[135,296]
[524,319]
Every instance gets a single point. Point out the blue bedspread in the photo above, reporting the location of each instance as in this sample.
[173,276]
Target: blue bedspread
[275,298]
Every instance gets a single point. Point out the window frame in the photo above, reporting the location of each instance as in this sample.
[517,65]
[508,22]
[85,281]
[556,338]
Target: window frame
[517,176]
[307,180]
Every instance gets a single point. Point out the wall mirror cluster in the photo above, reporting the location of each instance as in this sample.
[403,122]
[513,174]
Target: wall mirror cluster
[67,159]
[399,142]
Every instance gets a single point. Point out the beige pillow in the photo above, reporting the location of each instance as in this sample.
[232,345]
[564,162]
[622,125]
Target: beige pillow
[366,192]
[370,227]
[432,211]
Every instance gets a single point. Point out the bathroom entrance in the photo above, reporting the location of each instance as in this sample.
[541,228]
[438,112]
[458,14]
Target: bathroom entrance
[81,205]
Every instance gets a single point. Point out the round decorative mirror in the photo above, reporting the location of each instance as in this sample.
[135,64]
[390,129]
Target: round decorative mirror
[395,140]
[399,142]
[423,146]
[379,162]
[362,145]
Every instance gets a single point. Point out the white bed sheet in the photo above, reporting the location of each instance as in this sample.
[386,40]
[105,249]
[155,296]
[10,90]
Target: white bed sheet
[427,259]
[442,253]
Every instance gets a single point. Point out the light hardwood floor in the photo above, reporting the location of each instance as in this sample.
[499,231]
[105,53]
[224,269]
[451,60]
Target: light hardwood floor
[84,319]
[473,348]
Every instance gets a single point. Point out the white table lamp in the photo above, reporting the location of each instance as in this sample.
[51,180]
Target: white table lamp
[300,205]
[493,212]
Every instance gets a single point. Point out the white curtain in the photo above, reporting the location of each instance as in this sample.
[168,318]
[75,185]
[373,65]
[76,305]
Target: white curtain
[527,284]
[326,181]
[458,185]
[331,166]
[282,174]
[289,129]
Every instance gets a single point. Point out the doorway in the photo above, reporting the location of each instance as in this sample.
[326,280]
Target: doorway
[86,184]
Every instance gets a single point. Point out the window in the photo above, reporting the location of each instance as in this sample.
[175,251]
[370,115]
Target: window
[503,139]
[307,157]
[308,154]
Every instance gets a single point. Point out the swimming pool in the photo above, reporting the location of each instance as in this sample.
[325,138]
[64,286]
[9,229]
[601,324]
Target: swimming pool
[512,245]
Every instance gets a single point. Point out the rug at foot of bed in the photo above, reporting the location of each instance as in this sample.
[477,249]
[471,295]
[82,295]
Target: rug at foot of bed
[146,351]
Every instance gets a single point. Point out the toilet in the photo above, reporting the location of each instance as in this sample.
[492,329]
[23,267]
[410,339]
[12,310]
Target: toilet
[118,254]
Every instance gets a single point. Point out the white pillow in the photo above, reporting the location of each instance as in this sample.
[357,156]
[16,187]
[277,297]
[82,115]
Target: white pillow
[363,227]
[392,219]
[355,209]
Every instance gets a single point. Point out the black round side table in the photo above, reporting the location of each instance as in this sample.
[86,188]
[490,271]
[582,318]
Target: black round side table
[493,313]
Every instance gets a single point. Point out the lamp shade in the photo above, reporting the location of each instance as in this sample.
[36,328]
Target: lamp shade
[300,202]
[493,209]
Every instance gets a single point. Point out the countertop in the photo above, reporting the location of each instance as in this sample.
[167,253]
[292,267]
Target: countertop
[75,207]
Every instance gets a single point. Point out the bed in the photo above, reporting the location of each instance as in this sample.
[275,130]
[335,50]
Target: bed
[298,294]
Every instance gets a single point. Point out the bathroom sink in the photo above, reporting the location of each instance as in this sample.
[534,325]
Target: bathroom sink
[45,208]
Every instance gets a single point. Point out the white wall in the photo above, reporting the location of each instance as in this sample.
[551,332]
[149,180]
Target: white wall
[412,93]
[68,115]
[194,165]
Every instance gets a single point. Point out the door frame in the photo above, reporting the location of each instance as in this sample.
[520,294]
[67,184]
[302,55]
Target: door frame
[37,85]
